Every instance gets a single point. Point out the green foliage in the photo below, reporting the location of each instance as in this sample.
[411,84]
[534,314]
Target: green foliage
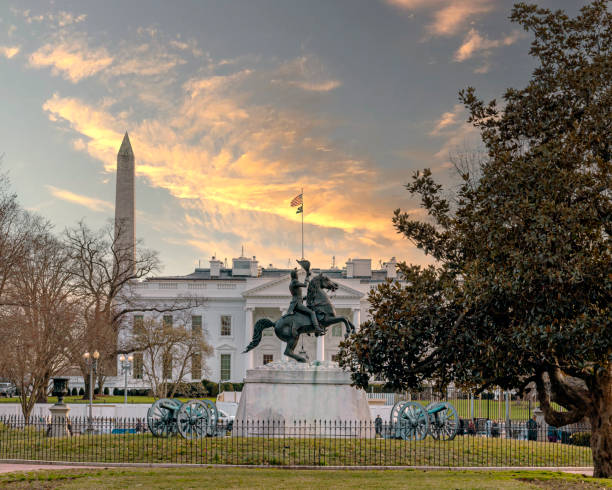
[188,390]
[580,439]
[522,286]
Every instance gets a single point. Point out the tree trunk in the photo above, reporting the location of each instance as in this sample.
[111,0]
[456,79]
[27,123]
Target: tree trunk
[601,427]
[86,394]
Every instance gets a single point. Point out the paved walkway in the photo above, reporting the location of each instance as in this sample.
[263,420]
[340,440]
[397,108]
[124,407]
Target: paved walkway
[11,468]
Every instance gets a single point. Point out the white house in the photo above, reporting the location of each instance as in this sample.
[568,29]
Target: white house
[232,299]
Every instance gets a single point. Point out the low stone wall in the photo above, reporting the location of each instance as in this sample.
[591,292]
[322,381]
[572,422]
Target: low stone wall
[131,410]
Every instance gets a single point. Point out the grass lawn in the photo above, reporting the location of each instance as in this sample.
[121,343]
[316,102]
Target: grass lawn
[295,479]
[31,444]
[101,399]
[493,409]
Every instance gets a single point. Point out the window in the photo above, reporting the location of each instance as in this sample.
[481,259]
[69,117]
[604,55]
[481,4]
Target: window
[267,358]
[138,366]
[196,366]
[335,357]
[226,367]
[337,330]
[138,322]
[196,326]
[226,325]
[167,366]
[167,320]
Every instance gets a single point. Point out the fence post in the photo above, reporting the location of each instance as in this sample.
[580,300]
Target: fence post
[507,405]
[472,406]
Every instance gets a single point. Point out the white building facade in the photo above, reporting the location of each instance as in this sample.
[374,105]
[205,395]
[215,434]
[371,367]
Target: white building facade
[231,300]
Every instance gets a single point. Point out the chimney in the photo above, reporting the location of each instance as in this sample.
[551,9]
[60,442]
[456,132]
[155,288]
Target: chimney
[362,267]
[349,269]
[254,267]
[215,267]
[391,268]
[125,232]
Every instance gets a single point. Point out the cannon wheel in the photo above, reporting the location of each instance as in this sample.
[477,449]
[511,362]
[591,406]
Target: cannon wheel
[413,422]
[443,424]
[394,420]
[212,426]
[161,420]
[193,419]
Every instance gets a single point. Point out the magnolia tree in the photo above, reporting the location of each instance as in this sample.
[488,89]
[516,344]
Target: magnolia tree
[521,289]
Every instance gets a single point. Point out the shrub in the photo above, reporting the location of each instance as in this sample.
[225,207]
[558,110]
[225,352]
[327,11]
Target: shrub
[115,392]
[580,439]
[74,392]
[81,392]
[212,388]
[106,391]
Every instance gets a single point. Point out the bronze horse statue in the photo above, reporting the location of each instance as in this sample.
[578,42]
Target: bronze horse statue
[317,300]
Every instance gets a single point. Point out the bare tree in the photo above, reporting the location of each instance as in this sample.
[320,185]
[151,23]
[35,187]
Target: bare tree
[36,322]
[104,270]
[170,352]
[15,232]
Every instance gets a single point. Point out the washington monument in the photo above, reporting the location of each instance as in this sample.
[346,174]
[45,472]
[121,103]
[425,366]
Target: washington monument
[125,233]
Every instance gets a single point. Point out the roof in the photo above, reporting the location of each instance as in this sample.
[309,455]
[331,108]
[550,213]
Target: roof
[271,272]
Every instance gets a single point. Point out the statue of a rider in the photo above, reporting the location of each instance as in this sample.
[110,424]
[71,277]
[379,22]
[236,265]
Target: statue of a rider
[297,304]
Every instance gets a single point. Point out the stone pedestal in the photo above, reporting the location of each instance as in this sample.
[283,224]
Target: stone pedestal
[542,425]
[59,421]
[285,398]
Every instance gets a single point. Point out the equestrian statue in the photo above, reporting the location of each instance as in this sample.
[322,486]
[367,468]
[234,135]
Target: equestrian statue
[314,317]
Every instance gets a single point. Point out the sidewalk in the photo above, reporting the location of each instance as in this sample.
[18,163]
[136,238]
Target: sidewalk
[13,467]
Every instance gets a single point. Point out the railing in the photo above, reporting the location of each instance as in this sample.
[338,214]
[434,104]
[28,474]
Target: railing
[493,406]
[275,443]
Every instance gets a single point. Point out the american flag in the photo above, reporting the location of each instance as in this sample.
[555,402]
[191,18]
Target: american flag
[297,201]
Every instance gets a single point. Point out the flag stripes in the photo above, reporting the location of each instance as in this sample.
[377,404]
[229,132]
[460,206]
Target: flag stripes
[297,201]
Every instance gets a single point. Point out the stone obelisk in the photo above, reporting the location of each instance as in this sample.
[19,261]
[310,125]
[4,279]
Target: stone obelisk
[125,232]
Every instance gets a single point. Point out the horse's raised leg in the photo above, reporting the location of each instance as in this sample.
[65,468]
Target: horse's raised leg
[291,343]
[348,326]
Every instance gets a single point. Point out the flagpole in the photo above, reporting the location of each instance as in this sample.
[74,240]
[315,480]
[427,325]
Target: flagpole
[302,223]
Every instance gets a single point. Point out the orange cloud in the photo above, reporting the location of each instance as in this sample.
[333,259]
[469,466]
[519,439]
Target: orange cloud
[73,60]
[245,184]
[447,119]
[449,16]
[475,42]
[89,202]
[9,51]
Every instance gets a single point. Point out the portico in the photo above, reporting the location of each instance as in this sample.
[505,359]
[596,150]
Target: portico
[271,299]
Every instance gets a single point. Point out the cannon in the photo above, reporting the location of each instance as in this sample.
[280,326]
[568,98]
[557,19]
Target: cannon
[411,421]
[192,420]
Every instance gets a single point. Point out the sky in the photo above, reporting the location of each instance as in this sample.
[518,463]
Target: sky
[233,107]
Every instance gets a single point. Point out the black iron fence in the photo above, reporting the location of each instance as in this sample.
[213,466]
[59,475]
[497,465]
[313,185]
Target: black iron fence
[325,443]
[493,405]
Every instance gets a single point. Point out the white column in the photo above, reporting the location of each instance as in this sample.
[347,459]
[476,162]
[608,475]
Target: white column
[283,345]
[321,348]
[356,318]
[250,364]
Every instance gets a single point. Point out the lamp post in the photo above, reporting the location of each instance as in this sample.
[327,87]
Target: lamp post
[92,363]
[126,367]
